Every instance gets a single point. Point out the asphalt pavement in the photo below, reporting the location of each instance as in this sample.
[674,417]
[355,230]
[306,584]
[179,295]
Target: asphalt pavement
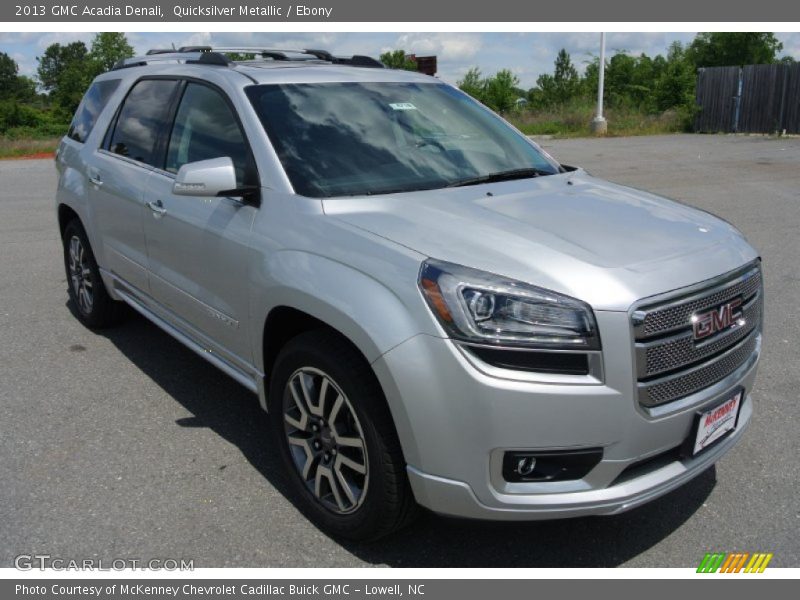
[126,445]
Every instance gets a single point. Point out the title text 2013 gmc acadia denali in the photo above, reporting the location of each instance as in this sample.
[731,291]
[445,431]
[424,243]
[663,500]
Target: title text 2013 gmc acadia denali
[433,310]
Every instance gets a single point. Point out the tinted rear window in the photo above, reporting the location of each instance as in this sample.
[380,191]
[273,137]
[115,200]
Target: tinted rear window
[90,108]
[143,117]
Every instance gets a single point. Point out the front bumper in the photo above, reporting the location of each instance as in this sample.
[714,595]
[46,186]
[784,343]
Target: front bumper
[455,421]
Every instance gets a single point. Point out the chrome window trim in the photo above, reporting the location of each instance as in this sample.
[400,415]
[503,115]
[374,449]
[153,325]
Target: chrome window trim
[131,161]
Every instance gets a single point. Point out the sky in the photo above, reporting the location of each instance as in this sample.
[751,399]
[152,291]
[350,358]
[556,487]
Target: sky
[527,54]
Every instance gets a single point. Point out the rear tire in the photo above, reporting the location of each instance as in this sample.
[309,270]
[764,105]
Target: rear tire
[93,306]
[337,439]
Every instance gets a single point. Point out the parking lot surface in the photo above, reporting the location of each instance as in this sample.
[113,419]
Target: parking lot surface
[126,445]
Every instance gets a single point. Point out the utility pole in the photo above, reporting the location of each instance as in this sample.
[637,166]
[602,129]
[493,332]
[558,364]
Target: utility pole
[599,125]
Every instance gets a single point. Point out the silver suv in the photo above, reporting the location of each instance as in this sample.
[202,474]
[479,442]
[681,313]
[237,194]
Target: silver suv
[433,310]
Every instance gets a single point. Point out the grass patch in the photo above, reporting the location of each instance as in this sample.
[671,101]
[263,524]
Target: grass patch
[573,121]
[14,148]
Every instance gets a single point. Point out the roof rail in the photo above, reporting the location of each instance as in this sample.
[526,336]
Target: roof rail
[211,58]
[275,53]
[303,54]
[359,60]
[208,55]
[191,56]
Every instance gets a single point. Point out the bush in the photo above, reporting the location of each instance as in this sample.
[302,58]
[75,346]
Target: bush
[19,121]
[13,114]
[572,120]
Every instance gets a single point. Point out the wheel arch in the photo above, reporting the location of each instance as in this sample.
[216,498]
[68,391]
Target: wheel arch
[311,291]
[296,290]
[66,214]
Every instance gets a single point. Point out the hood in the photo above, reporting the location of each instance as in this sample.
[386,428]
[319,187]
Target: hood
[603,243]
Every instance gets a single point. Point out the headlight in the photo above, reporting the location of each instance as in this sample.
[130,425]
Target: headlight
[475,306]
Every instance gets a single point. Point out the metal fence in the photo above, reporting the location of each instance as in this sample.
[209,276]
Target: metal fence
[751,99]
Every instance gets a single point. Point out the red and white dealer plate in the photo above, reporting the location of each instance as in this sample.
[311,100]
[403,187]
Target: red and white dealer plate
[716,422]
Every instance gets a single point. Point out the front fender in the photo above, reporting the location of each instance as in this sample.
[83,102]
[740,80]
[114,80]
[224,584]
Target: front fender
[363,309]
[372,316]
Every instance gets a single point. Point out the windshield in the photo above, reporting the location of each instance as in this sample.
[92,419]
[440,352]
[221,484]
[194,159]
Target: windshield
[344,139]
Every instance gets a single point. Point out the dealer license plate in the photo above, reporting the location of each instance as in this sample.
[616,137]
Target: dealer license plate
[716,422]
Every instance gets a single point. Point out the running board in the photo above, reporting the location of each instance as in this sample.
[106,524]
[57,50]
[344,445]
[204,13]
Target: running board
[240,376]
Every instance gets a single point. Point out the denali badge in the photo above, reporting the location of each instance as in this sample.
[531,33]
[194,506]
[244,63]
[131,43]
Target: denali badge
[717,319]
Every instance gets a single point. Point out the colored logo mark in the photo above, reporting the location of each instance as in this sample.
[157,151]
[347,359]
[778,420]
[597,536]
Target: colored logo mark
[734,562]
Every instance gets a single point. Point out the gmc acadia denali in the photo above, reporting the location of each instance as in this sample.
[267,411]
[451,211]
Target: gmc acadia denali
[433,310]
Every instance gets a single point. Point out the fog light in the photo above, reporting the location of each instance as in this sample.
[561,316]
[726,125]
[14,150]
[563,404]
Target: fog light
[557,465]
[525,466]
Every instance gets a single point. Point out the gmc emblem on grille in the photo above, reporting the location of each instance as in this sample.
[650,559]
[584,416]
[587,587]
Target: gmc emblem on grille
[717,319]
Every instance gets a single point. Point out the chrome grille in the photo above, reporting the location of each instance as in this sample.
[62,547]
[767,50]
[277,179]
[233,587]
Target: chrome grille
[680,350]
[676,316]
[669,363]
[661,392]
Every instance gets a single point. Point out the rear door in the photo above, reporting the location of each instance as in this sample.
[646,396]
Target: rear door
[198,247]
[118,172]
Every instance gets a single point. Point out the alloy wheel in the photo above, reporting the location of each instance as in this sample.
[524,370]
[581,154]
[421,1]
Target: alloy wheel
[81,275]
[326,441]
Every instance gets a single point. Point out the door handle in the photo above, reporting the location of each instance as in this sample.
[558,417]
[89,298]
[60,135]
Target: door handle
[158,208]
[95,180]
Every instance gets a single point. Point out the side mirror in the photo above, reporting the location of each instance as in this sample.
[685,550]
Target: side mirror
[206,178]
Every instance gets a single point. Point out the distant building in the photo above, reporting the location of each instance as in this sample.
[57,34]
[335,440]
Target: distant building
[425,64]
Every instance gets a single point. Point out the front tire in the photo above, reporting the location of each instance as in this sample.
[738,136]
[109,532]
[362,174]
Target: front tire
[337,439]
[93,306]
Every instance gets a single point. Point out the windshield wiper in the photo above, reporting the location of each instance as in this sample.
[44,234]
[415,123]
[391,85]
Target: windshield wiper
[524,173]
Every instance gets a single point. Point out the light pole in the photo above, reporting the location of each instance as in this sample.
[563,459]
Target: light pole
[599,125]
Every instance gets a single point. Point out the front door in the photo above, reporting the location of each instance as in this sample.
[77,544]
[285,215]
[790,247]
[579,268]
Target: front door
[198,247]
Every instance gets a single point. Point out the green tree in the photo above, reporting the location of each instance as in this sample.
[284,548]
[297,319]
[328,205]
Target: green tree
[13,86]
[472,84]
[500,91]
[733,48]
[398,59]
[560,87]
[650,84]
[25,89]
[588,87]
[675,87]
[629,80]
[565,76]
[65,71]
[108,47]
[545,93]
[73,82]
[8,75]
[56,59]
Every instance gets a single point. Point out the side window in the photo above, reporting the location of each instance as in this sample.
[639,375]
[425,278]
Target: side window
[143,116]
[93,103]
[206,128]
